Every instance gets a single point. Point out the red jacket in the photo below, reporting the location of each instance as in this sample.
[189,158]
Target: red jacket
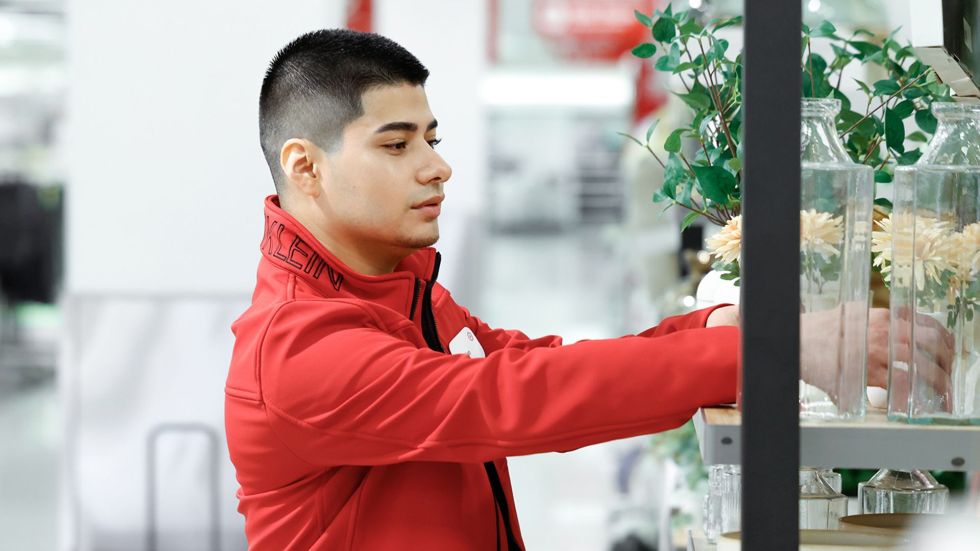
[350,428]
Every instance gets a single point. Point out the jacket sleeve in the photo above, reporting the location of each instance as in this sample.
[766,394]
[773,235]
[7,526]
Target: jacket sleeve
[495,339]
[338,391]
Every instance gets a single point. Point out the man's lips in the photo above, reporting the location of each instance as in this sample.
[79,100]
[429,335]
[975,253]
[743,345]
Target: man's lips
[431,202]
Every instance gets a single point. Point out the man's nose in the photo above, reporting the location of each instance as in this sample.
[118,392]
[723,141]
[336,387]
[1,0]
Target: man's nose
[437,170]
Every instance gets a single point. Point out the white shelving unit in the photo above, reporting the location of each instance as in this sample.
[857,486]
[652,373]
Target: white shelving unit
[868,443]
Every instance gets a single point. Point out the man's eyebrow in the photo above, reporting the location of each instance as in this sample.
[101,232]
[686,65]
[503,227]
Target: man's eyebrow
[405,127]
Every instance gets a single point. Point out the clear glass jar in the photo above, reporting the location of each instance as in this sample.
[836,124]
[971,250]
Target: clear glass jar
[821,507]
[821,504]
[836,203]
[930,252]
[723,503]
[891,491]
[832,478]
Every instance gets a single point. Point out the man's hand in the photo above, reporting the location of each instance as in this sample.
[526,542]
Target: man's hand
[934,355]
[821,341]
[726,315]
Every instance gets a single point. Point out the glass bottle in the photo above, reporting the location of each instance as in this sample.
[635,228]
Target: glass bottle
[821,507]
[930,252]
[891,491]
[836,203]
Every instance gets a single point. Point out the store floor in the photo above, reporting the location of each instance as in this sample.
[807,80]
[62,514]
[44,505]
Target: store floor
[564,283]
[29,442]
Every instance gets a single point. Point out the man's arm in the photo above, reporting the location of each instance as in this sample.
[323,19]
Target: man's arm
[359,395]
[495,339]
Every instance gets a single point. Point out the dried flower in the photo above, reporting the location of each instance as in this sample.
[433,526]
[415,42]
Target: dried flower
[933,249]
[726,245]
[966,245]
[820,232]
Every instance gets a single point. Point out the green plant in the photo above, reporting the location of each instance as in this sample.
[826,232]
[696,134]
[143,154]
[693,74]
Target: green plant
[708,184]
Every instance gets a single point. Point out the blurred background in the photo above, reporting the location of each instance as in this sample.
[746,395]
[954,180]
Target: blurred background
[131,187]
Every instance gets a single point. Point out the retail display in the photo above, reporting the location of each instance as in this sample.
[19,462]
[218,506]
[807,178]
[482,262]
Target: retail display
[893,491]
[835,244]
[933,267]
[821,504]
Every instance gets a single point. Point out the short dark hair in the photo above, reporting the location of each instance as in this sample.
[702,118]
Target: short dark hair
[313,87]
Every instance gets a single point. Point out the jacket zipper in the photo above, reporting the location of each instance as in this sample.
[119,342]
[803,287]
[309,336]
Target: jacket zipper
[430,332]
[415,299]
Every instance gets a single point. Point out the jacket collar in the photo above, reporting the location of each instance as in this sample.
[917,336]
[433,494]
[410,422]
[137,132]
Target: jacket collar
[288,245]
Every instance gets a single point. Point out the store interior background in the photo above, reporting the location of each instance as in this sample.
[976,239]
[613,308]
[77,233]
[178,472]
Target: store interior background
[137,123]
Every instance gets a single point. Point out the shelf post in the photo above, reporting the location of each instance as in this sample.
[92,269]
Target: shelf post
[770,275]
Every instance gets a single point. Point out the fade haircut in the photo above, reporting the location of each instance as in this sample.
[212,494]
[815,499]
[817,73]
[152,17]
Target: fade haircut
[312,89]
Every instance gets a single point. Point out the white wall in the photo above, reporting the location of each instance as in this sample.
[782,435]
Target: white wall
[164,202]
[166,177]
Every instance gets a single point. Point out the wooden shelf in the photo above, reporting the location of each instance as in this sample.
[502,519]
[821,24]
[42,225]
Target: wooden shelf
[873,442]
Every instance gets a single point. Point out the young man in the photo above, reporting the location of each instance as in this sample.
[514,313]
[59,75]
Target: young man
[365,409]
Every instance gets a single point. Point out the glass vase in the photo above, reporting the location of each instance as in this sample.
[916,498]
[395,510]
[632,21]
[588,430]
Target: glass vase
[836,204]
[821,506]
[891,491]
[929,250]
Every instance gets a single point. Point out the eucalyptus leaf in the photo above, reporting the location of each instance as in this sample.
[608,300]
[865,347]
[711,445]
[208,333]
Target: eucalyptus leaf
[690,27]
[643,18]
[673,142]
[886,87]
[913,92]
[894,131]
[882,177]
[664,29]
[864,49]
[717,184]
[689,219]
[636,141]
[864,87]
[737,20]
[905,109]
[651,129]
[696,99]
[645,50]
[825,30]
[909,157]
[926,121]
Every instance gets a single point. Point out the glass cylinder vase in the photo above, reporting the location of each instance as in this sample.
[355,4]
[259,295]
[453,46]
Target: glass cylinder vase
[930,254]
[836,204]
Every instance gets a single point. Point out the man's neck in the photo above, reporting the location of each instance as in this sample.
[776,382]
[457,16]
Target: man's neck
[359,258]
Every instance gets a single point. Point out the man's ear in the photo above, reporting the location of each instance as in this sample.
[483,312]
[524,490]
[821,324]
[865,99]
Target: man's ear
[301,160]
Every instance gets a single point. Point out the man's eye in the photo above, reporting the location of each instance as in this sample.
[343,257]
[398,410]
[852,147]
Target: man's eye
[396,146]
[434,143]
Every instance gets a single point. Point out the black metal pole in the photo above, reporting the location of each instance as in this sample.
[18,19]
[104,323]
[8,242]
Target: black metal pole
[770,276]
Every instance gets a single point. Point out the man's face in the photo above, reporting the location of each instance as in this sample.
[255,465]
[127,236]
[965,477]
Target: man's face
[382,187]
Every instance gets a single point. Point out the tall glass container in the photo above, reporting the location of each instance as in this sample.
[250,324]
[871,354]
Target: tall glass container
[836,203]
[934,272]
[891,491]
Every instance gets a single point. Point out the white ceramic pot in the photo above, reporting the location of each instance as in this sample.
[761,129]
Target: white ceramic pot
[715,290]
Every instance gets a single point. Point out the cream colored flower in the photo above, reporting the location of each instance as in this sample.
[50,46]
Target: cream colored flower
[726,245]
[820,233]
[966,247]
[905,245]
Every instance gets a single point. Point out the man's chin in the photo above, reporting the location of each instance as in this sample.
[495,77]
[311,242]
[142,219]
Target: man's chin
[420,242]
